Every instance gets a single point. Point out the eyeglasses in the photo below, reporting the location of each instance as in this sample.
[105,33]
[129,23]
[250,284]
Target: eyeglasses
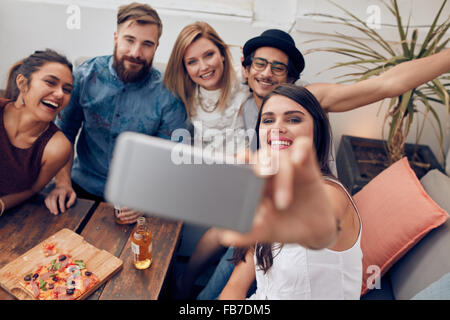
[277,68]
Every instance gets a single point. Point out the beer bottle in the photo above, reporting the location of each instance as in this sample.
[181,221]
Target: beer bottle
[141,245]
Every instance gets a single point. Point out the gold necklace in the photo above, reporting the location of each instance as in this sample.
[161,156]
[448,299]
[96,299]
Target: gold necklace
[207,109]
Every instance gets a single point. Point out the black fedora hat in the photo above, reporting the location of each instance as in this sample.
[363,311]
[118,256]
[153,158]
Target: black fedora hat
[278,39]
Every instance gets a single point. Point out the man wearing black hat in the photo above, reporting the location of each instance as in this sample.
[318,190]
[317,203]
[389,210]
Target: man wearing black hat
[277,49]
[269,60]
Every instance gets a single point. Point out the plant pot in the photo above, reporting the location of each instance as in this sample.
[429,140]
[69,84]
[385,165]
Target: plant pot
[359,160]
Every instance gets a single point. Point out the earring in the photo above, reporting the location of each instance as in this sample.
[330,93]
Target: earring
[22,101]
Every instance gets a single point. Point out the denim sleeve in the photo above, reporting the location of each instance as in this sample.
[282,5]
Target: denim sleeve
[70,118]
[173,117]
[220,277]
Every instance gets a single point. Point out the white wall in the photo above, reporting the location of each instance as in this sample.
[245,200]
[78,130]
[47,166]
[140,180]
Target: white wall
[27,25]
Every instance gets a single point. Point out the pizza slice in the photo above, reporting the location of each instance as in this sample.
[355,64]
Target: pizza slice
[62,279]
[49,249]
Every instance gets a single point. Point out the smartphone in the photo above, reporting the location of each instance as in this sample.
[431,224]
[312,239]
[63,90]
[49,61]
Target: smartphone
[178,181]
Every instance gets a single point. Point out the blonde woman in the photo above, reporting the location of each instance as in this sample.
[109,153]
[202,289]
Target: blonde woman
[201,74]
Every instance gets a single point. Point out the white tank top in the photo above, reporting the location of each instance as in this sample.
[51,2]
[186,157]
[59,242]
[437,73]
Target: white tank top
[302,274]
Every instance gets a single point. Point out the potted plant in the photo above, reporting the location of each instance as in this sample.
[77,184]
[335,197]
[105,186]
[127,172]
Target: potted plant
[372,60]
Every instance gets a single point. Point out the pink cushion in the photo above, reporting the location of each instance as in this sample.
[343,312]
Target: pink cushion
[396,213]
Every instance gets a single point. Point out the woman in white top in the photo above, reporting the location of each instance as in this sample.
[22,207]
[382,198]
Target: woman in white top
[201,74]
[325,262]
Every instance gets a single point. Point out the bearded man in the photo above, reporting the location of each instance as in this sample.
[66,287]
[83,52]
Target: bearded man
[113,94]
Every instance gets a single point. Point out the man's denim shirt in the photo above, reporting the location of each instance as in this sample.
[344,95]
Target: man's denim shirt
[103,107]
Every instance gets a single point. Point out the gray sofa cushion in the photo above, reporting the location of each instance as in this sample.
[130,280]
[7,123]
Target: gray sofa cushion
[437,185]
[429,261]
[439,290]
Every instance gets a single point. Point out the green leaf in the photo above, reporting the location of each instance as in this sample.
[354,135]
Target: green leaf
[349,42]
[442,46]
[413,42]
[425,101]
[350,51]
[442,93]
[361,44]
[397,119]
[411,114]
[371,73]
[393,125]
[405,101]
[392,104]
[365,30]
[358,62]
[401,32]
[435,47]
[429,35]
[435,100]
[369,31]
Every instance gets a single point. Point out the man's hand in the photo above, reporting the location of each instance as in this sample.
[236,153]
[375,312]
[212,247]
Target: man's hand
[57,199]
[128,216]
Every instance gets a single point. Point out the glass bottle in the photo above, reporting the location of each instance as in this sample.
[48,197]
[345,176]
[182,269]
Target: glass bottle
[141,245]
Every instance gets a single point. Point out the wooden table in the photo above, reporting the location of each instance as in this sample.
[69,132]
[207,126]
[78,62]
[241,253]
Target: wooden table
[24,227]
[130,283]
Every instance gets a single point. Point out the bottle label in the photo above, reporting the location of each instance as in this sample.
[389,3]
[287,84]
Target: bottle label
[134,248]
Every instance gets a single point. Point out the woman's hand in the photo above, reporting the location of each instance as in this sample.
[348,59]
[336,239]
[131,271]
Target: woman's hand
[56,199]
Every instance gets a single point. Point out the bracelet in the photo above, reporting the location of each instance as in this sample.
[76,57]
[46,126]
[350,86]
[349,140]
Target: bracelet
[2,203]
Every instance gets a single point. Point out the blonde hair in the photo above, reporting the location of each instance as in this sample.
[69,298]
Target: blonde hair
[141,13]
[176,78]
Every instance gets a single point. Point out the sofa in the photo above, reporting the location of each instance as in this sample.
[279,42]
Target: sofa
[423,272]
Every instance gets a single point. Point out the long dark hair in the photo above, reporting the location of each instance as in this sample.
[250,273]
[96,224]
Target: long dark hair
[30,65]
[322,143]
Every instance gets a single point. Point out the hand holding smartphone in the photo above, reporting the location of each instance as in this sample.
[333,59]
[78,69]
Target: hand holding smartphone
[177,181]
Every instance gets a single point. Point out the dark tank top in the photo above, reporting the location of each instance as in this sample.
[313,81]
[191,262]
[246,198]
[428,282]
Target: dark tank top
[19,168]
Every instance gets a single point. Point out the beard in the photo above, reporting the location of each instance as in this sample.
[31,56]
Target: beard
[130,75]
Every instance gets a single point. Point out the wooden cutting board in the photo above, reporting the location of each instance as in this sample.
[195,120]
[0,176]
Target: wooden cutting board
[100,262]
